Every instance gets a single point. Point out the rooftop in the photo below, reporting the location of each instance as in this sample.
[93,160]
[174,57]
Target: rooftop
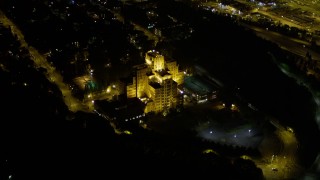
[163,73]
[153,53]
[155,85]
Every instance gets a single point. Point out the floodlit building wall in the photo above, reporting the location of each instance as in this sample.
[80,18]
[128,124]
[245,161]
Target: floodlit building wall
[156,82]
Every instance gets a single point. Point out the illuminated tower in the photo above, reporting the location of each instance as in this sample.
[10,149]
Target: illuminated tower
[153,58]
[156,83]
[173,68]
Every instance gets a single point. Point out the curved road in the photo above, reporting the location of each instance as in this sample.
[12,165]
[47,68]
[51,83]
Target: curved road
[313,172]
[279,154]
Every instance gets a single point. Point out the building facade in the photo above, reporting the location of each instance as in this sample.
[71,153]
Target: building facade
[156,83]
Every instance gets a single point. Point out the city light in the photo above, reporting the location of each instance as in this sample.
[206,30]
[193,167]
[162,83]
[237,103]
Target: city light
[53,67]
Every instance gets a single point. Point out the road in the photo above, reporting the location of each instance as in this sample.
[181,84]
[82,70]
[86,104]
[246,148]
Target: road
[288,140]
[279,155]
[293,45]
[305,9]
[279,150]
[51,73]
[150,35]
[281,19]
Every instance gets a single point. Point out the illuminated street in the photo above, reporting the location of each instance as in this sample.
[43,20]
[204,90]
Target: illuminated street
[316,98]
[150,35]
[51,74]
[279,160]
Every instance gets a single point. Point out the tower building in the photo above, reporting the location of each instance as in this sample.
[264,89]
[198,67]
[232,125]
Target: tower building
[156,83]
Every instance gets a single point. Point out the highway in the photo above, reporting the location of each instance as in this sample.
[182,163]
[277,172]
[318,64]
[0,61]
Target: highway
[303,14]
[281,19]
[293,45]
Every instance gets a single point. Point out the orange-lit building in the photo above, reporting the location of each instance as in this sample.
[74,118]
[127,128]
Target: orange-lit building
[156,82]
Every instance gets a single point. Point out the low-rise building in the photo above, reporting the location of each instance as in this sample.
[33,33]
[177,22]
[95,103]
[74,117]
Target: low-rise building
[122,111]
